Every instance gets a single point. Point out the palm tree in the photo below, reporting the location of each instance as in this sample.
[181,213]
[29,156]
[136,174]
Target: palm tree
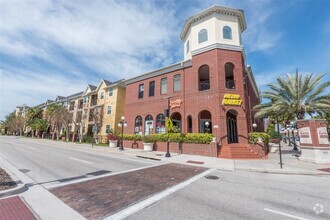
[295,96]
[40,125]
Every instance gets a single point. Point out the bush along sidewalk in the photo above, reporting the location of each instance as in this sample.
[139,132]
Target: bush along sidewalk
[192,138]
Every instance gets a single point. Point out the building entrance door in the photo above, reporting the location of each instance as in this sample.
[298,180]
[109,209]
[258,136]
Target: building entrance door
[232,136]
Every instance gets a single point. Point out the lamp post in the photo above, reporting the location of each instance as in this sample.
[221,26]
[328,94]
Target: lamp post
[254,125]
[168,117]
[207,124]
[122,124]
[284,133]
[279,144]
[289,129]
[293,127]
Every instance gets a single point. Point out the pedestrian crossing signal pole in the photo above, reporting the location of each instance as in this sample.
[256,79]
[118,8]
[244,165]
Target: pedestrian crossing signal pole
[168,118]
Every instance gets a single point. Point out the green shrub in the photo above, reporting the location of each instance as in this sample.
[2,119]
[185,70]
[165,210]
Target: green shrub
[132,137]
[197,138]
[150,138]
[87,139]
[253,137]
[176,137]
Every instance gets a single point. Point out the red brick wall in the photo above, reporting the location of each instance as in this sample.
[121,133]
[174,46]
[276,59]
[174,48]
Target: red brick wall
[195,101]
[209,150]
[313,126]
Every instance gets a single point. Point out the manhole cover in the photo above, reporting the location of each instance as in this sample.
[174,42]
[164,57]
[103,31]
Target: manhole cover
[159,154]
[210,177]
[24,170]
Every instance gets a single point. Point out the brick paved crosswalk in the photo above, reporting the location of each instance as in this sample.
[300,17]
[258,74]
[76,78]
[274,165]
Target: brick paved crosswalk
[98,198]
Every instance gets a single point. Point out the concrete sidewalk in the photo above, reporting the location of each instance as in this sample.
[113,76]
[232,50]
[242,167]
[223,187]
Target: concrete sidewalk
[291,163]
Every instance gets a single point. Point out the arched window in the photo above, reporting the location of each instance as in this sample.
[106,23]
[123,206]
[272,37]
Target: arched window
[176,119]
[227,33]
[189,124]
[229,72]
[205,122]
[160,124]
[187,47]
[138,125]
[202,36]
[204,78]
[149,125]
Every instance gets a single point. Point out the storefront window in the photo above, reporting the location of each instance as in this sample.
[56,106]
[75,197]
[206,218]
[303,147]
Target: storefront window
[138,125]
[160,124]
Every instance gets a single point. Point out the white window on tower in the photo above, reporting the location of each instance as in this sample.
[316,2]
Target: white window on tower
[202,36]
[227,33]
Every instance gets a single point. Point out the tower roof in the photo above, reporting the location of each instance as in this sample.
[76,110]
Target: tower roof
[214,10]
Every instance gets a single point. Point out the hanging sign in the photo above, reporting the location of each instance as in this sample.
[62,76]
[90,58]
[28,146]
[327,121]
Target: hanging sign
[175,103]
[232,99]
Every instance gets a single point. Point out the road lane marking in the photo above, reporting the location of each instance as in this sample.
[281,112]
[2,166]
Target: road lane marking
[97,177]
[83,161]
[32,148]
[285,214]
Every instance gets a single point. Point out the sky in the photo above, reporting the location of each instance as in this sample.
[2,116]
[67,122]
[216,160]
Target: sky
[50,48]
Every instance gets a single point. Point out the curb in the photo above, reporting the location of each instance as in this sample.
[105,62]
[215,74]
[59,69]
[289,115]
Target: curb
[20,185]
[288,172]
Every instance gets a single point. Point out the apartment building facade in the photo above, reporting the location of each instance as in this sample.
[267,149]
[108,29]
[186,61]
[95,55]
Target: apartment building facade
[210,91]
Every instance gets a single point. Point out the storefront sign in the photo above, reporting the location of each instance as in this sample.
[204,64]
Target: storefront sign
[305,135]
[176,103]
[322,134]
[232,99]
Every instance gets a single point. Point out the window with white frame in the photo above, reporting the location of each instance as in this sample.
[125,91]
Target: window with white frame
[111,92]
[202,36]
[227,33]
[141,91]
[187,46]
[163,83]
[102,95]
[177,83]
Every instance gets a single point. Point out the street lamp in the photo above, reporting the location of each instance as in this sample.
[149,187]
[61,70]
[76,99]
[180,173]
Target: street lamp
[254,125]
[277,112]
[122,124]
[207,124]
[294,129]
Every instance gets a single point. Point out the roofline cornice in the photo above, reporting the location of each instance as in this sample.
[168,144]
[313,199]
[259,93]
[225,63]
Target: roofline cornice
[164,70]
[218,10]
[219,46]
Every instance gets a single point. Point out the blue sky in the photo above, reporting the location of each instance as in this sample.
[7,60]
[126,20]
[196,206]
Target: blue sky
[50,48]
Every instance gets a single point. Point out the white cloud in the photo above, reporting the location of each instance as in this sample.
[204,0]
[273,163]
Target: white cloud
[31,88]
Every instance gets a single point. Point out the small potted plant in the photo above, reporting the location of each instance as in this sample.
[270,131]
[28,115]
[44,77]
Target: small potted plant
[113,140]
[148,142]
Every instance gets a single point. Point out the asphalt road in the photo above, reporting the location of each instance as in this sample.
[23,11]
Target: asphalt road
[52,163]
[246,195]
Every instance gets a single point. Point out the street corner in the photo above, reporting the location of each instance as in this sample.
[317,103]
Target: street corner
[10,184]
[14,208]
[99,198]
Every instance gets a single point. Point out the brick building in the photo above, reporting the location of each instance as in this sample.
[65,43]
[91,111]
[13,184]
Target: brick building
[211,90]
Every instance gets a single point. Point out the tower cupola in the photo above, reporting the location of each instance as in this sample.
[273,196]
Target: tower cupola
[216,27]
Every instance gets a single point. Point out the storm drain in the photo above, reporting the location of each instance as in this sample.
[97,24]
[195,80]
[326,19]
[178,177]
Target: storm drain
[210,177]
[24,170]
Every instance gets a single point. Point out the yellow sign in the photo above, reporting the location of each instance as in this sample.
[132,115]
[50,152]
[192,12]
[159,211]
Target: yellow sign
[232,99]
